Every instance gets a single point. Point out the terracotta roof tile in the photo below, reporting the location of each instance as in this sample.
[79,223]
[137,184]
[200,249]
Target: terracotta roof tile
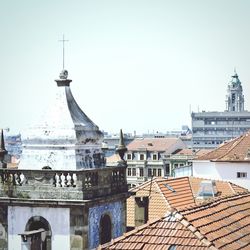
[177,235]
[177,191]
[152,144]
[161,198]
[236,150]
[191,152]
[113,158]
[223,188]
[173,193]
[221,224]
[225,222]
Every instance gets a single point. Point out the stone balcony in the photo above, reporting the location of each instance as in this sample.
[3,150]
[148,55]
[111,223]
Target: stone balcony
[62,185]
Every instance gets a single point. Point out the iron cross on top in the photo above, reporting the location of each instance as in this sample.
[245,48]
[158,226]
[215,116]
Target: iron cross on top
[63,41]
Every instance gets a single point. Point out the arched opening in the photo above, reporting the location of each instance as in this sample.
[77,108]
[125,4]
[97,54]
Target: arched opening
[37,235]
[105,229]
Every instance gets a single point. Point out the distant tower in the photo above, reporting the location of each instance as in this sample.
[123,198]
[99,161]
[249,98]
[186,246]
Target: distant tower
[234,97]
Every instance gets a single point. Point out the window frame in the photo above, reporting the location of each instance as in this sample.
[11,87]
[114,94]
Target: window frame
[241,175]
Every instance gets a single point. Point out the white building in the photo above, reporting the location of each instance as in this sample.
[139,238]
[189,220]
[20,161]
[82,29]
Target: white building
[210,129]
[229,162]
[147,157]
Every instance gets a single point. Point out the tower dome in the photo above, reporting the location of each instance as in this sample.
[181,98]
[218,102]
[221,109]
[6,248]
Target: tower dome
[65,138]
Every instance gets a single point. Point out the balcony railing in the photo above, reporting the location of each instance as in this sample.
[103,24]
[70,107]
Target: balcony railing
[53,184]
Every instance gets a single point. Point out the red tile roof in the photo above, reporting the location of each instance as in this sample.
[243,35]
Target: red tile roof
[223,187]
[225,222]
[177,191]
[166,194]
[160,234]
[221,224]
[236,150]
[152,144]
[113,158]
[191,152]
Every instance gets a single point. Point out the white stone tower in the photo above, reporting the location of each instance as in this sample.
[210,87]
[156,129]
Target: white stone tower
[65,138]
[234,97]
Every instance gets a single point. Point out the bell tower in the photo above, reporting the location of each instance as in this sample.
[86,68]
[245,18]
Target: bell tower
[234,97]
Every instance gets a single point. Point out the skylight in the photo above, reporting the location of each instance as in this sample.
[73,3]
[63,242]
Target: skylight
[169,188]
[207,189]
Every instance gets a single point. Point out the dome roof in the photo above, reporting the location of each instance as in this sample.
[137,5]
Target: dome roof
[63,125]
[235,81]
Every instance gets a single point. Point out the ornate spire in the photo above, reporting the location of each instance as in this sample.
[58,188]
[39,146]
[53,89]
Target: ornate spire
[3,151]
[121,147]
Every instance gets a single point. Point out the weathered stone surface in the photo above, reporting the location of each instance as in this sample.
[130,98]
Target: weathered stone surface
[65,138]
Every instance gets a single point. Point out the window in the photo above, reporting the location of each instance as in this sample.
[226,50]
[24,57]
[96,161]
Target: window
[233,98]
[149,172]
[241,174]
[105,229]
[129,156]
[141,157]
[154,172]
[167,169]
[133,171]
[159,172]
[129,171]
[155,157]
[141,210]
[141,172]
[176,165]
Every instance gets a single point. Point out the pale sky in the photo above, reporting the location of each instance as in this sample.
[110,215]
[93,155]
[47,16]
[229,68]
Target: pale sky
[135,64]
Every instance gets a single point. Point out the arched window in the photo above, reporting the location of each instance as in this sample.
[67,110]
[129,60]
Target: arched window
[39,232]
[105,229]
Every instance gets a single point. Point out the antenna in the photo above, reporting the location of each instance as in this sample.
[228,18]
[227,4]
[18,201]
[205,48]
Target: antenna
[63,41]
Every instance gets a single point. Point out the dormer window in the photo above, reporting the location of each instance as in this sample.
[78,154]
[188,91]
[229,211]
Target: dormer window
[154,156]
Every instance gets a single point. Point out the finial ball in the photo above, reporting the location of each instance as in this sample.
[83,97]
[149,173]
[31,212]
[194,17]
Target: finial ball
[64,74]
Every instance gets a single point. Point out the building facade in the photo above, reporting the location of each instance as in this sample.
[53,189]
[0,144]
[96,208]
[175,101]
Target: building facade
[148,157]
[229,162]
[213,128]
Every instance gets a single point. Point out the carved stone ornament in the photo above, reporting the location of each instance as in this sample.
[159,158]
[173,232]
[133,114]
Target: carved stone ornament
[64,74]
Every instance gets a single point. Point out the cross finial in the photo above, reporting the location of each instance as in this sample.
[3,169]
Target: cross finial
[63,41]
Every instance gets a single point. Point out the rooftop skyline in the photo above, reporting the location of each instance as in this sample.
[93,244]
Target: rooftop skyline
[136,65]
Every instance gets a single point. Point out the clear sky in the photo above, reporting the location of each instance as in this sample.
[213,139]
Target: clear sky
[135,64]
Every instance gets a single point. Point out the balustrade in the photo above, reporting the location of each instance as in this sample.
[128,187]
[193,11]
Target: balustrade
[112,180]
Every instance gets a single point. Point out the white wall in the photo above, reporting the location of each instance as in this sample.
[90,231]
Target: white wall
[223,171]
[58,218]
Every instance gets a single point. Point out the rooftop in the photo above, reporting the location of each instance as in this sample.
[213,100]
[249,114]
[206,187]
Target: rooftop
[166,194]
[220,224]
[236,150]
[152,144]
